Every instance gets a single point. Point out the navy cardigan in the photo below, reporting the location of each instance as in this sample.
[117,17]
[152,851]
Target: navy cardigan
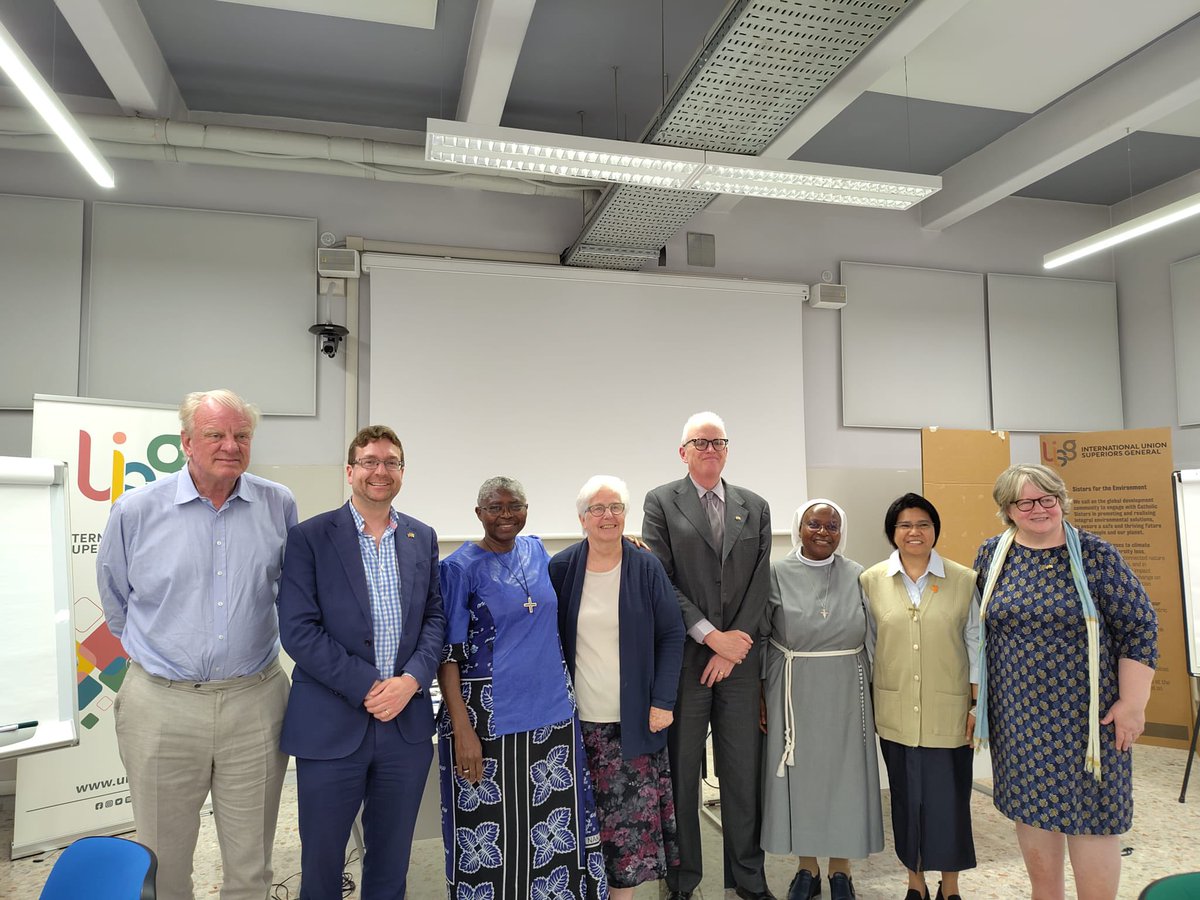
[649,634]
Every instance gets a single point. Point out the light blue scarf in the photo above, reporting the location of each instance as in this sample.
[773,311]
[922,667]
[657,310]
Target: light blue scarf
[999,555]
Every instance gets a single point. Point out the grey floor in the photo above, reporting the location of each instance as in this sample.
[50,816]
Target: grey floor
[1165,839]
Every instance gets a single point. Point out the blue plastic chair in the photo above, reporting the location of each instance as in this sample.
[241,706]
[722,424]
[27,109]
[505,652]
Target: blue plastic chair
[103,868]
[1174,887]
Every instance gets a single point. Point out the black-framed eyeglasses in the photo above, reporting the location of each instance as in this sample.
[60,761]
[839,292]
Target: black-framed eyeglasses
[830,527]
[1049,501]
[513,509]
[599,509]
[370,463]
[705,443]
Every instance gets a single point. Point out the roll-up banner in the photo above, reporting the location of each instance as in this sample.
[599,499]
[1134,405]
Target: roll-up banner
[109,447]
[1120,483]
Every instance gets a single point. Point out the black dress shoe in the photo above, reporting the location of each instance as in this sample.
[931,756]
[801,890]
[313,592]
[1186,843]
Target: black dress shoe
[747,894]
[941,896]
[914,894]
[804,886]
[841,886]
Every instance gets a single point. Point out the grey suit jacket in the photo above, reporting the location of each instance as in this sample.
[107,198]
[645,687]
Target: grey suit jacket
[727,585]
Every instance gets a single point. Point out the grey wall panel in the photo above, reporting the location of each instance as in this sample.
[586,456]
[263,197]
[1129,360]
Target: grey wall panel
[187,299]
[914,348]
[1055,360]
[41,262]
[1185,314]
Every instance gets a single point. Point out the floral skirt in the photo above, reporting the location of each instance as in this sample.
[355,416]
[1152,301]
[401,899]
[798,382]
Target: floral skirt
[635,806]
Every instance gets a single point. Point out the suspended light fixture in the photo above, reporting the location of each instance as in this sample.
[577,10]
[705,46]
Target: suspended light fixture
[25,77]
[519,152]
[1126,231]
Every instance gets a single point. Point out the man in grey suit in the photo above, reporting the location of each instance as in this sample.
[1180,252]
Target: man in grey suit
[715,541]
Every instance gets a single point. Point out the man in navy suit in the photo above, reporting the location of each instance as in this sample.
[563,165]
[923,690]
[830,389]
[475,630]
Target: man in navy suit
[360,612]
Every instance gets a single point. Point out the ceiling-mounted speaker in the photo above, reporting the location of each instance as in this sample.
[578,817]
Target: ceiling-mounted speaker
[337,262]
[827,296]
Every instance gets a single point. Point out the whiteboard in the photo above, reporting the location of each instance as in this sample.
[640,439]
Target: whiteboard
[189,299]
[37,656]
[914,348]
[552,375]
[1187,506]
[1055,358]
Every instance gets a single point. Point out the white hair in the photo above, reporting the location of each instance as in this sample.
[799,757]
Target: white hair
[220,397]
[699,420]
[595,485]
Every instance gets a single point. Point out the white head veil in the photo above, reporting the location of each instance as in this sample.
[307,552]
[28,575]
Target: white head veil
[799,517]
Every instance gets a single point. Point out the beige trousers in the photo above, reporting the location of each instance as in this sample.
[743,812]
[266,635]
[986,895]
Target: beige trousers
[181,741]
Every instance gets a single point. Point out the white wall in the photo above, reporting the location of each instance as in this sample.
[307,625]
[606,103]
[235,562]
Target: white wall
[1143,270]
[762,239]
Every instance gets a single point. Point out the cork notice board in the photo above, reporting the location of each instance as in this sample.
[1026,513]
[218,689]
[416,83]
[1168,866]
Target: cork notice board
[959,469]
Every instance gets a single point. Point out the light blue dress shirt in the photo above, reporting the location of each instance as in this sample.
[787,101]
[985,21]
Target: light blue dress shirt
[383,588]
[189,589]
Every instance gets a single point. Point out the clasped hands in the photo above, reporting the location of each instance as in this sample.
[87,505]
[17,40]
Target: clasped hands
[729,648]
[387,698]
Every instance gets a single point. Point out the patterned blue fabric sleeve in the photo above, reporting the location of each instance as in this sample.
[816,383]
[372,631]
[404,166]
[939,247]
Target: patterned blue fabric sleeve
[455,589]
[1121,601]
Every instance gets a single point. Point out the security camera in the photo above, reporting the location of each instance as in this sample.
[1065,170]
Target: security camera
[330,335]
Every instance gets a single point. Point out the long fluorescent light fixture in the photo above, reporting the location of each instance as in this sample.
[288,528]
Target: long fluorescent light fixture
[1126,231]
[516,151]
[519,152]
[25,77]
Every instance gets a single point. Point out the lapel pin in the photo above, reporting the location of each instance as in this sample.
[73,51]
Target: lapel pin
[737,518]
[411,535]
[934,589]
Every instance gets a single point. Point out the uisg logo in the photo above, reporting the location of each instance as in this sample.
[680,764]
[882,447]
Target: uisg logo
[1052,453]
[163,455]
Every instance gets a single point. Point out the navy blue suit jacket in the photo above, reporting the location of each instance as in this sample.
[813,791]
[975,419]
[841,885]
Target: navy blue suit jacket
[325,625]
[649,636]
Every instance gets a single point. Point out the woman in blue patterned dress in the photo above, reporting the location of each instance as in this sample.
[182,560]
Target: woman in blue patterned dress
[518,821]
[1069,643]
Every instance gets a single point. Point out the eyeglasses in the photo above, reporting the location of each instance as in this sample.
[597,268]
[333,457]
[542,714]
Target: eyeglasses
[599,509]
[370,463]
[512,509]
[1047,502]
[705,443]
[914,526]
[830,527]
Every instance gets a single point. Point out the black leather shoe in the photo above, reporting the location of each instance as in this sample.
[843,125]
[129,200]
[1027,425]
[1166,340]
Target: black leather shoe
[804,886]
[679,895]
[913,894]
[841,886]
[764,894]
[941,896]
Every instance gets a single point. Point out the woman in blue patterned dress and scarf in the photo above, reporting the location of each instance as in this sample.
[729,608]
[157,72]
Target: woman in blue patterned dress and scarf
[1069,643]
[518,819]
[622,637]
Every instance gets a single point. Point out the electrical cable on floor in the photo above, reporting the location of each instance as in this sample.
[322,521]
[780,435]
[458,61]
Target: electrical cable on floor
[280,890]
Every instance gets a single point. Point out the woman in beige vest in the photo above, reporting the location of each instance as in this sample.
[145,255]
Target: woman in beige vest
[926,613]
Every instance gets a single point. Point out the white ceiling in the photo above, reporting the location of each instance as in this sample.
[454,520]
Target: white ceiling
[992,75]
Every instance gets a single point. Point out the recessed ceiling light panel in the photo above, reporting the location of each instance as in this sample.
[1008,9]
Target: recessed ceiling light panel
[413,13]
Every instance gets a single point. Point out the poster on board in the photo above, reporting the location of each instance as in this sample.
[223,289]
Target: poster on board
[109,447]
[1121,485]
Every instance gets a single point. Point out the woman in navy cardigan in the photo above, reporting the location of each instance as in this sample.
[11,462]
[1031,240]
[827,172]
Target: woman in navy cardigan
[622,637]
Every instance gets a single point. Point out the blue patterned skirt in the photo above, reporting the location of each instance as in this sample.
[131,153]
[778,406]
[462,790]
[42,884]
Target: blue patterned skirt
[528,829]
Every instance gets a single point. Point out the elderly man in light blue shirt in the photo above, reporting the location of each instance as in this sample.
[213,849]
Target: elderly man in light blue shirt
[188,571]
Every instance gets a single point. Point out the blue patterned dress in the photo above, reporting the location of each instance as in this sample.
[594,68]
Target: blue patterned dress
[1037,681]
[528,830]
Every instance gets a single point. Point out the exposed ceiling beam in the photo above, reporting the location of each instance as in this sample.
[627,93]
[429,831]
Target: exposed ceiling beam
[919,20]
[496,40]
[1157,80]
[115,35]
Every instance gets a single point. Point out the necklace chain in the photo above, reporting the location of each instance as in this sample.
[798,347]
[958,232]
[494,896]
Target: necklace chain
[529,603]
